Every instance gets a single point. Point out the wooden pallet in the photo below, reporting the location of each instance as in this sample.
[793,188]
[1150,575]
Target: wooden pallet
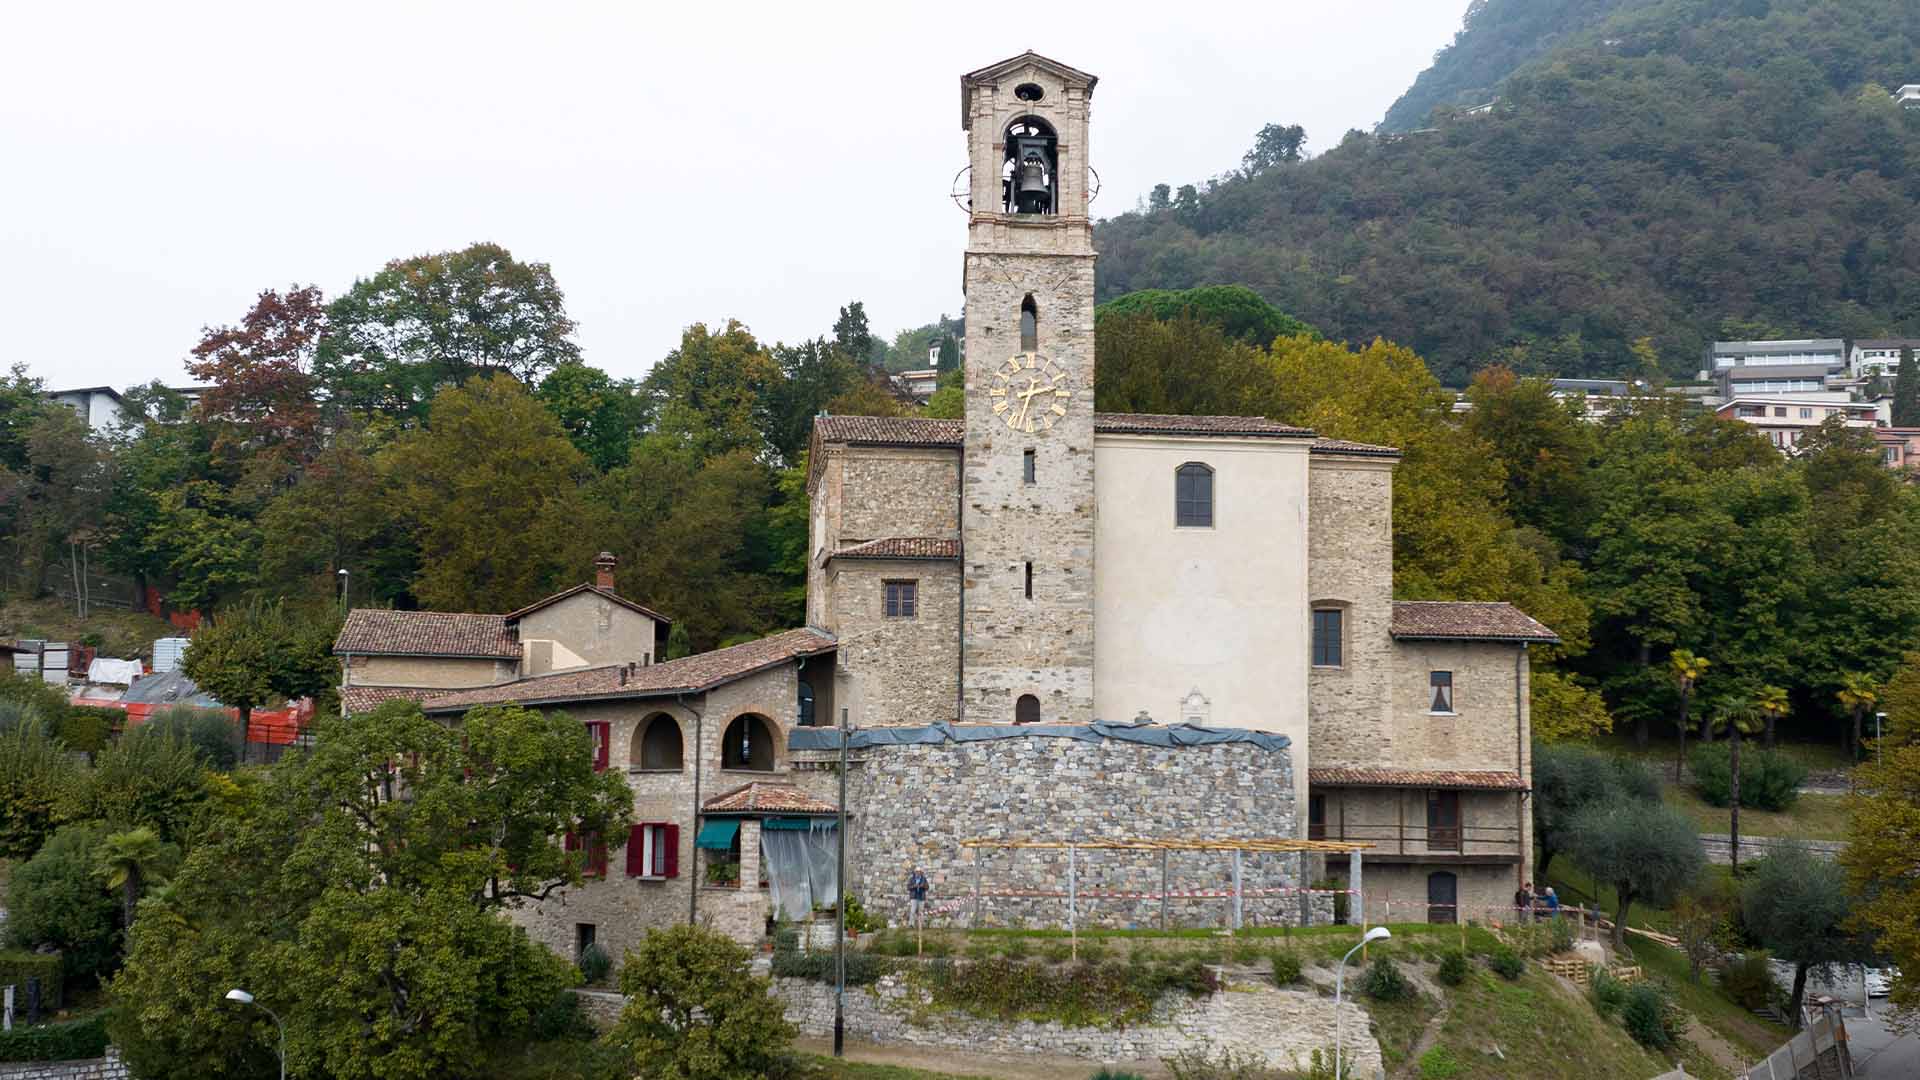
[1573,969]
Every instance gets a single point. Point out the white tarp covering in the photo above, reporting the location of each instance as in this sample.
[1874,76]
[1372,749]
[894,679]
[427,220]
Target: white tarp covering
[114,672]
[802,867]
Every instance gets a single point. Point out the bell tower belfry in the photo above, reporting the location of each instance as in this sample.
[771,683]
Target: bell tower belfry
[1028,516]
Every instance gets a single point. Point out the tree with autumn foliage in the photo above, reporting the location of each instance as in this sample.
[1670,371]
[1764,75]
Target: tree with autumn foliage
[262,398]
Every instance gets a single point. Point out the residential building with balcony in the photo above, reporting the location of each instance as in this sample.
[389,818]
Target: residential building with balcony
[1784,420]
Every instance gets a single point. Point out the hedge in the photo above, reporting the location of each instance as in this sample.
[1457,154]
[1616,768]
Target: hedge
[73,1040]
[17,965]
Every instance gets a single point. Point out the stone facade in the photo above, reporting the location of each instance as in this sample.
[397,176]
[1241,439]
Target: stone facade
[1489,727]
[902,670]
[1028,639]
[1279,1027]
[914,804]
[1349,568]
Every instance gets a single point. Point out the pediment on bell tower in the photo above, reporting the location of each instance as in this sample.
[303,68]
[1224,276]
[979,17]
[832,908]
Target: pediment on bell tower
[1029,62]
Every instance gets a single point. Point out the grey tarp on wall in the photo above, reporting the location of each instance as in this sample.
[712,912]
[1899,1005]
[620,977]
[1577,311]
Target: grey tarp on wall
[826,738]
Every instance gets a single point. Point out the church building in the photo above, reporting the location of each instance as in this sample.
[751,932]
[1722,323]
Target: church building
[1046,624]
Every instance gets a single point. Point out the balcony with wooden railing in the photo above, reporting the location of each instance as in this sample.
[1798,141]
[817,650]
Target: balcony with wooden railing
[1407,842]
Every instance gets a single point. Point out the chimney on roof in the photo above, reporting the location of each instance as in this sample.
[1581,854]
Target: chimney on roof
[603,564]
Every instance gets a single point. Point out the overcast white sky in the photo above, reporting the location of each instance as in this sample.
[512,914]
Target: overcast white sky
[674,162]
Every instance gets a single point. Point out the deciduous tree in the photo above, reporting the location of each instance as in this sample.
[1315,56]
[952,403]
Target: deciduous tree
[259,652]
[1798,909]
[695,1010]
[1645,850]
[1882,862]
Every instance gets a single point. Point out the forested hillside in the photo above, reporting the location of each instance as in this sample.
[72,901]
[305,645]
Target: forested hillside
[1495,38]
[1683,170]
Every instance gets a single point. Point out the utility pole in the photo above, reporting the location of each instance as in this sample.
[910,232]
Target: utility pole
[840,908]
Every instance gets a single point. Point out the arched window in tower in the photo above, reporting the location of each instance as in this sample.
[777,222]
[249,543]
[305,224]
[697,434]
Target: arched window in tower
[1030,172]
[748,744]
[1029,325]
[1026,710]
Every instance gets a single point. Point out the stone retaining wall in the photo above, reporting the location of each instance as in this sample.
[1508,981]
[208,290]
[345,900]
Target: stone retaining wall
[1282,1027]
[1719,847]
[106,1068]
[913,804]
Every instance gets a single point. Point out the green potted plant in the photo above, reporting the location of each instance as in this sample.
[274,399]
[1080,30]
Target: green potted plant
[723,874]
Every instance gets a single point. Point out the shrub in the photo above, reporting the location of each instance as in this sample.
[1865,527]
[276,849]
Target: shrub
[695,1009]
[863,968]
[38,779]
[1747,980]
[594,964]
[151,778]
[54,900]
[1506,963]
[1609,993]
[213,734]
[30,696]
[1286,967]
[1649,1015]
[18,965]
[1057,951]
[1230,1065]
[563,1018]
[1109,1074]
[87,728]
[1560,935]
[1769,780]
[1440,1064]
[1016,949]
[785,939]
[858,920]
[1077,995]
[1384,981]
[1095,951]
[1453,969]
[70,1041]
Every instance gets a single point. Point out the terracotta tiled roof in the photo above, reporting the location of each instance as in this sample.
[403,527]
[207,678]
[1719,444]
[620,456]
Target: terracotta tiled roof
[425,633]
[689,674]
[889,431]
[1347,446]
[767,797]
[1164,424]
[514,616]
[1417,778]
[1466,621]
[901,547]
[361,699]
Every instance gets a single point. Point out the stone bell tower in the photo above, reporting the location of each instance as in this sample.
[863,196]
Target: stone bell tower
[1027,525]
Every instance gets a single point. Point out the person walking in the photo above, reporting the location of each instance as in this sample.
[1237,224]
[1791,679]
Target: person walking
[916,895]
[1523,902]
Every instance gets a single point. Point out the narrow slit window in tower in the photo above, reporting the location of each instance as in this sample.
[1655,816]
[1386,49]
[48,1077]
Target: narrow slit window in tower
[1027,467]
[1029,325]
[1029,581]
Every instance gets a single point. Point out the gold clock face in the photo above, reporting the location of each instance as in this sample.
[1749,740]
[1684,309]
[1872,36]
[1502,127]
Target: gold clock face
[1030,393]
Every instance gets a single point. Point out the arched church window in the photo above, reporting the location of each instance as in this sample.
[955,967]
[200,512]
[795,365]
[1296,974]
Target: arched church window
[1193,496]
[1026,710]
[1029,325]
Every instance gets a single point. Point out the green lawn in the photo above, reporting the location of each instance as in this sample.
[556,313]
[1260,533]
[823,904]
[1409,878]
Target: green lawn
[1811,817]
[1539,1028]
[1744,1030]
[1820,756]
[826,1068]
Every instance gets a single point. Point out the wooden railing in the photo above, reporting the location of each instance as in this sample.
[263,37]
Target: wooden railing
[1398,839]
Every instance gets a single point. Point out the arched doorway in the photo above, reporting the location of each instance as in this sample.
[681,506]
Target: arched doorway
[1443,897]
[1026,710]
[748,744]
[660,746]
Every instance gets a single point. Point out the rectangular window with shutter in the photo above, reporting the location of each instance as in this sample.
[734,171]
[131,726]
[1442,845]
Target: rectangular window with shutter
[602,735]
[653,851]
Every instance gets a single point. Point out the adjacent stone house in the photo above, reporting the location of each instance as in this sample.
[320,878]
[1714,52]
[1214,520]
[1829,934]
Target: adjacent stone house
[411,655]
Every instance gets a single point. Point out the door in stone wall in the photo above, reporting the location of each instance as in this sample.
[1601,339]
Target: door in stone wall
[1443,891]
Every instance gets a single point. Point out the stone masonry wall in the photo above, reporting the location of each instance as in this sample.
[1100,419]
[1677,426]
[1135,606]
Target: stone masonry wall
[909,669]
[1017,645]
[106,1068]
[914,804]
[1280,1027]
[1350,565]
[1485,732]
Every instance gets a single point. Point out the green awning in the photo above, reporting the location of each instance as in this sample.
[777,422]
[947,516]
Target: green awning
[718,835]
[798,824]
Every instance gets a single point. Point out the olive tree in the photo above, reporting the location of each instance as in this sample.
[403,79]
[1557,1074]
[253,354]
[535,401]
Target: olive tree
[1644,850]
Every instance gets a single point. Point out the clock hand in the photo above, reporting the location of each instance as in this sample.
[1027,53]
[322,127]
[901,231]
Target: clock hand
[1026,400]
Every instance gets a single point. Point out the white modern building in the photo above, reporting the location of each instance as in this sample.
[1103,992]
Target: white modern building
[101,407]
[1784,420]
[1878,357]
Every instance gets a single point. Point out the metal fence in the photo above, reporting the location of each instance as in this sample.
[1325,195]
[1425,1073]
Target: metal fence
[1819,1050]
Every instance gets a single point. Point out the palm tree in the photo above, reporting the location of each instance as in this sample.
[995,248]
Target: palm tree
[1858,693]
[132,860]
[1773,705]
[1739,717]
[1687,670]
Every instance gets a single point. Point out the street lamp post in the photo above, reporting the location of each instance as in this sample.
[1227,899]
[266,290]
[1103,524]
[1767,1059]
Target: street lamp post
[1378,933]
[1879,718]
[343,591]
[245,998]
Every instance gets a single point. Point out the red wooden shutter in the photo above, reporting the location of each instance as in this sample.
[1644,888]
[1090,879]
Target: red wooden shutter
[602,737]
[596,855]
[572,842]
[669,851]
[637,851]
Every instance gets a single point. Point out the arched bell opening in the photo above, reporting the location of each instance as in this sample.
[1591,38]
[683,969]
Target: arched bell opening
[1030,169]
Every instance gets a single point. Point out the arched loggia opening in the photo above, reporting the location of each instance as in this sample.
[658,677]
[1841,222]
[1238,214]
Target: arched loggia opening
[748,744]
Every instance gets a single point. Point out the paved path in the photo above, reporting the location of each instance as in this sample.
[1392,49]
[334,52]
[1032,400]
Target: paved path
[1880,1053]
